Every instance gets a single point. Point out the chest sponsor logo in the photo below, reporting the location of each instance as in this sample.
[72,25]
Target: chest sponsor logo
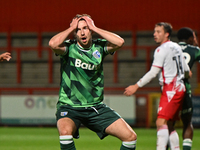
[80,64]
[96,54]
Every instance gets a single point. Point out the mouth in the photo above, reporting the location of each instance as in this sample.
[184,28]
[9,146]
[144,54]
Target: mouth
[84,39]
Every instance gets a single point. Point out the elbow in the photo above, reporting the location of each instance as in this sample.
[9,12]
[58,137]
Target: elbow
[121,43]
[52,44]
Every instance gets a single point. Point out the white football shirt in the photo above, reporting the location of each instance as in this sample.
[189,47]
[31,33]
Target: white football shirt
[169,58]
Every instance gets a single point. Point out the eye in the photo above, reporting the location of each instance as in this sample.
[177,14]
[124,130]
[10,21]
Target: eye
[78,29]
[86,27]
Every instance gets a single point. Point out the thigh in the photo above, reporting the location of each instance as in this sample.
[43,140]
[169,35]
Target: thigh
[187,107]
[66,126]
[68,122]
[121,130]
[99,118]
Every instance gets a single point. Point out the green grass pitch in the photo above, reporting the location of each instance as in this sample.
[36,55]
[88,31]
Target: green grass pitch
[46,138]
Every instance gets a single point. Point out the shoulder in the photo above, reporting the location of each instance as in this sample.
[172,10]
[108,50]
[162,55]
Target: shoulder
[193,47]
[99,41]
[165,46]
[69,42]
[171,44]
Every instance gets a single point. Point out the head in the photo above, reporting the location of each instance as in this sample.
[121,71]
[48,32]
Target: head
[83,34]
[185,35]
[162,32]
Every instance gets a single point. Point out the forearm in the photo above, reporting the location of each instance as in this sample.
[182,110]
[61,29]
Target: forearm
[56,42]
[187,72]
[148,76]
[113,38]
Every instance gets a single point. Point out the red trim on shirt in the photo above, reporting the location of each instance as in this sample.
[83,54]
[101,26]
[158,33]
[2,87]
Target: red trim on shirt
[166,42]
[163,76]
[157,66]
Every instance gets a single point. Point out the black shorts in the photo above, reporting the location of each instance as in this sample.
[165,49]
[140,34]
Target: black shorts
[187,108]
[96,118]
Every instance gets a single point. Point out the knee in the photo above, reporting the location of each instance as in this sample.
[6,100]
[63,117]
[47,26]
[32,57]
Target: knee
[66,127]
[64,132]
[132,136]
[160,122]
[131,141]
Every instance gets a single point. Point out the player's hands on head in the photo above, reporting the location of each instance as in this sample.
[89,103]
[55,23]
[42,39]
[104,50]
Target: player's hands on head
[130,90]
[74,23]
[90,22]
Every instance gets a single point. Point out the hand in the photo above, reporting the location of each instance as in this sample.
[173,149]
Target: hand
[130,90]
[190,74]
[90,22]
[74,23]
[5,56]
[195,43]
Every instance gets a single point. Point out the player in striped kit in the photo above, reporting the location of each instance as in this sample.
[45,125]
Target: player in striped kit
[171,67]
[82,84]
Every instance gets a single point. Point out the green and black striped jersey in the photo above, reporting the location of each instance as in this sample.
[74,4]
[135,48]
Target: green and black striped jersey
[82,77]
[191,54]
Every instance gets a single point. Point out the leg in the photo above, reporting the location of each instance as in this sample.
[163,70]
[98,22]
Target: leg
[66,128]
[162,133]
[187,131]
[173,136]
[186,118]
[124,132]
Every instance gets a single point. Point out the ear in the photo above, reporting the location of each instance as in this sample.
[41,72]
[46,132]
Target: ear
[190,40]
[167,35]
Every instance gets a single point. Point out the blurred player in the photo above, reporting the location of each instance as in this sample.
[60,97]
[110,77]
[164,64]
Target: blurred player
[188,42]
[170,65]
[5,56]
[82,84]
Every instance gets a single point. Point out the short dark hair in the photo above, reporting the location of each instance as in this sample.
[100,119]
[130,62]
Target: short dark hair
[167,27]
[184,33]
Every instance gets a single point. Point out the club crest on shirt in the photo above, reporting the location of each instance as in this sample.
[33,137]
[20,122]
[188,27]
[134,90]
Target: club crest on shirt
[63,113]
[96,54]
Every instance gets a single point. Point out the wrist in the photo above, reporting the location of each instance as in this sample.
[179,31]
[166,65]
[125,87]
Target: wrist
[139,84]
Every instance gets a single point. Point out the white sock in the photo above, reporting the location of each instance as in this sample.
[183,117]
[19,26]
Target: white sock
[174,141]
[162,137]
[66,139]
[131,144]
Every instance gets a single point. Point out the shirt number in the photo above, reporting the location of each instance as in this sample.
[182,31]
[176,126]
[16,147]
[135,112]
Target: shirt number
[178,64]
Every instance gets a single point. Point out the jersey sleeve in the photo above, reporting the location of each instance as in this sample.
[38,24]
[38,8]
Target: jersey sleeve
[102,43]
[197,54]
[67,44]
[159,57]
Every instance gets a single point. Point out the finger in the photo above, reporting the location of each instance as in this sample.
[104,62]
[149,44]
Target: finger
[8,59]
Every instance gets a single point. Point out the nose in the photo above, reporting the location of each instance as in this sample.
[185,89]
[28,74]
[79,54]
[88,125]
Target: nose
[82,32]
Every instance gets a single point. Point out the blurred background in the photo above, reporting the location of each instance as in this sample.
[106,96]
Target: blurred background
[29,82]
